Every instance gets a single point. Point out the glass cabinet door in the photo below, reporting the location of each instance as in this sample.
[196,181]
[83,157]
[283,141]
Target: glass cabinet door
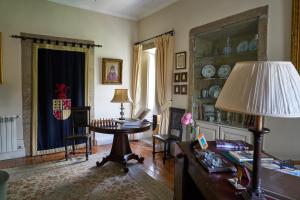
[214,52]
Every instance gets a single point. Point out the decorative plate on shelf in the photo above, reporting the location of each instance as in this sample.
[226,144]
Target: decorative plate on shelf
[242,47]
[214,91]
[252,45]
[224,71]
[208,71]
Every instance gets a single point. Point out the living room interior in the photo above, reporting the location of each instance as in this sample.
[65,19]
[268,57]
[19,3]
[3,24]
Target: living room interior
[128,99]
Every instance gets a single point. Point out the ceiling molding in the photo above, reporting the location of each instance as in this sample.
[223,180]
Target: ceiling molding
[142,8]
[161,7]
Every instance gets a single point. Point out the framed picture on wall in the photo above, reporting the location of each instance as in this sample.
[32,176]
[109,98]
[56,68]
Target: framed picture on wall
[112,71]
[1,78]
[176,89]
[183,77]
[176,77]
[183,89]
[180,60]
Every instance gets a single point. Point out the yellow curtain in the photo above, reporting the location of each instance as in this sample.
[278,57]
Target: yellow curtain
[136,75]
[295,47]
[164,63]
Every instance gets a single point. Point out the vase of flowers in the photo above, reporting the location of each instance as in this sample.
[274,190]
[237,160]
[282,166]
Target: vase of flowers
[187,120]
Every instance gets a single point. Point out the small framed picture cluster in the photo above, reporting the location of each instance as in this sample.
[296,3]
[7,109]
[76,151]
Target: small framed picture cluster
[180,74]
[180,77]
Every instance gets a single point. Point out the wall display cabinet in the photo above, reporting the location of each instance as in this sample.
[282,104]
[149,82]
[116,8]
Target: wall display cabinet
[214,50]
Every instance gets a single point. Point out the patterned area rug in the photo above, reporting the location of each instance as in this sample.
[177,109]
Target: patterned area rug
[78,179]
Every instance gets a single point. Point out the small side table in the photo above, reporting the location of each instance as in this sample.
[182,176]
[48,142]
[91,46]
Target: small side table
[120,150]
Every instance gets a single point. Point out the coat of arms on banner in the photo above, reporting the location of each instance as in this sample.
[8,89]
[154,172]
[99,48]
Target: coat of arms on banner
[61,105]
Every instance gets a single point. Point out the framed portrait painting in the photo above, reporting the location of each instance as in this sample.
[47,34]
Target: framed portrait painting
[180,60]
[112,71]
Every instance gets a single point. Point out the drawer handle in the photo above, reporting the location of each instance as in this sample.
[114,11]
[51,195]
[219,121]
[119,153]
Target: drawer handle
[179,156]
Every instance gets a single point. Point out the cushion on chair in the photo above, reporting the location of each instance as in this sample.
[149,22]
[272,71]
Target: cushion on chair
[166,137]
[78,136]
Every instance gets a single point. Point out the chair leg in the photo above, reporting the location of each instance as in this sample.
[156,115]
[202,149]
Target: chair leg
[90,145]
[86,149]
[73,146]
[165,152]
[169,148]
[94,139]
[153,150]
[66,150]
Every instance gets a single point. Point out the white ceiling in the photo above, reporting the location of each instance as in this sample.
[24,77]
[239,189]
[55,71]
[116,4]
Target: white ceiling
[129,9]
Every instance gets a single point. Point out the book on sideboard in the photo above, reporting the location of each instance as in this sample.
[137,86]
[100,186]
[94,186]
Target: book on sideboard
[243,156]
[277,165]
[231,144]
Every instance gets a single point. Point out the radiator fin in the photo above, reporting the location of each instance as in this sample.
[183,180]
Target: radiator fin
[8,134]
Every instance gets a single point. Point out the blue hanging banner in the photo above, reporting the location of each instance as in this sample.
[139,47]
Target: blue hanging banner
[60,86]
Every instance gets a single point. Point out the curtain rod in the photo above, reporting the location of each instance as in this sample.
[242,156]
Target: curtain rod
[172,32]
[56,41]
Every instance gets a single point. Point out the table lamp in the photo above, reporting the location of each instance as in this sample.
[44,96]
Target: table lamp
[121,96]
[261,88]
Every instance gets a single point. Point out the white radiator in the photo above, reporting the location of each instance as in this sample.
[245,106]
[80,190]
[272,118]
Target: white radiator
[8,134]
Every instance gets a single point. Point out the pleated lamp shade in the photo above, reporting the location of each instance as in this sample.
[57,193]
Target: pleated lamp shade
[262,88]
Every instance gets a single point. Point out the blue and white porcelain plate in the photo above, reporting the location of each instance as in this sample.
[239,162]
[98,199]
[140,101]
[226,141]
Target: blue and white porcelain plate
[214,91]
[224,71]
[242,47]
[208,71]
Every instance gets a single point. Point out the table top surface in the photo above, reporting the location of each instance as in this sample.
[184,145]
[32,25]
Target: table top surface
[216,186]
[120,129]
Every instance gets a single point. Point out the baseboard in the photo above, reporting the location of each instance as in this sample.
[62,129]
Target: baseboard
[12,155]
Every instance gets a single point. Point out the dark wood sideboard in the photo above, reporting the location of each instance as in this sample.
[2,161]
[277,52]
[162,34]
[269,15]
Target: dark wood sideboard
[192,181]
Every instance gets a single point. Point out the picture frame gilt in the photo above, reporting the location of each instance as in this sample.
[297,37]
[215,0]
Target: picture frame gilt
[1,69]
[295,37]
[112,71]
[180,60]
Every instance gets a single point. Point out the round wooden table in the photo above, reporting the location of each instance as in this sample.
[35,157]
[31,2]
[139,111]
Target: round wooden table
[120,150]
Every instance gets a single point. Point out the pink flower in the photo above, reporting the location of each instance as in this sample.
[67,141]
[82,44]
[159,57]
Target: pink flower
[187,119]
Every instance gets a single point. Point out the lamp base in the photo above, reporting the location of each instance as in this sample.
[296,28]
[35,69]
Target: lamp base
[249,195]
[255,192]
[122,112]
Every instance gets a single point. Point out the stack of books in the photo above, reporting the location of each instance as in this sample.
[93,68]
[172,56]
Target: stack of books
[240,157]
[244,156]
[132,123]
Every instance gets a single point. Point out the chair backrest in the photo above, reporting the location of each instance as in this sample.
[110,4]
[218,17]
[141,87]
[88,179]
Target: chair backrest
[80,117]
[155,124]
[175,121]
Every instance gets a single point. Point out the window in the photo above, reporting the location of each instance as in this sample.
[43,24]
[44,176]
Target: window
[150,102]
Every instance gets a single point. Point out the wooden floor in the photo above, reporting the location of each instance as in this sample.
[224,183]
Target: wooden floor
[153,167]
